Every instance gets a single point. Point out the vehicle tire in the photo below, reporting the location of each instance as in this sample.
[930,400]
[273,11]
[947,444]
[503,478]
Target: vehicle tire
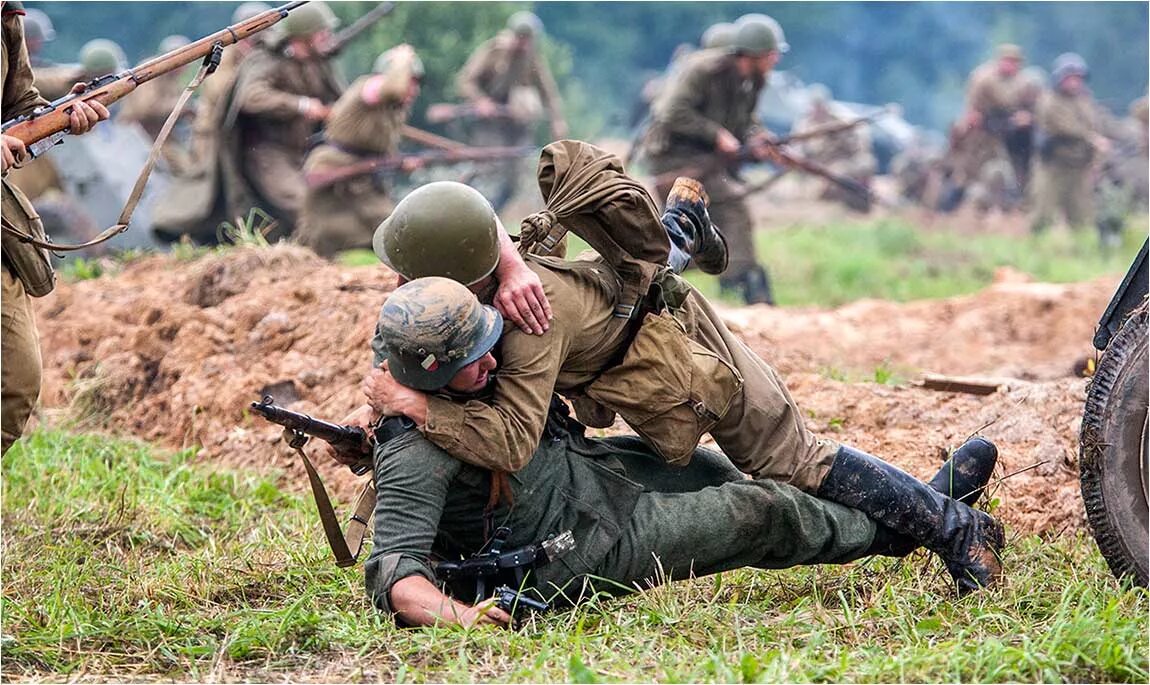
[1113,458]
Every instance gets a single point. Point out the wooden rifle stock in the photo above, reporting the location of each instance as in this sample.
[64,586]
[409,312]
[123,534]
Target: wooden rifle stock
[323,178]
[46,124]
[831,129]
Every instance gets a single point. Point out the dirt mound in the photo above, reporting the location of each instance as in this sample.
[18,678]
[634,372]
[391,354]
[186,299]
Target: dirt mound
[173,351]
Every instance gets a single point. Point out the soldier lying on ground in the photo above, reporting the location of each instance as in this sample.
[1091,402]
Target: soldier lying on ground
[679,374]
[635,521]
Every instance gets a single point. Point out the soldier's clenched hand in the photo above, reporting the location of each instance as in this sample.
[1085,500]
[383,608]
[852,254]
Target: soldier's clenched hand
[387,397]
[364,417]
[726,143]
[521,300]
[14,152]
[83,115]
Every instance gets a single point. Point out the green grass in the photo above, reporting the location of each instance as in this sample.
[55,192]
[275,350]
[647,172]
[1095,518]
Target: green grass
[120,563]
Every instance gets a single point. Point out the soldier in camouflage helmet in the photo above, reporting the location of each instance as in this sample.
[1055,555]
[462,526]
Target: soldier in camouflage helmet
[663,524]
[702,121]
[282,95]
[509,86]
[27,270]
[365,122]
[740,400]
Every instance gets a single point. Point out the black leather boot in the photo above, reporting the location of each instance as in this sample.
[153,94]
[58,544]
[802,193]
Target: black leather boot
[690,229]
[967,540]
[963,477]
[757,287]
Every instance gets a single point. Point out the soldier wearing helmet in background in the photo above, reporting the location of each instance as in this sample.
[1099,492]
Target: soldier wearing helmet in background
[52,80]
[847,152]
[705,120]
[509,85]
[1070,145]
[365,122]
[282,95]
[153,101]
[27,271]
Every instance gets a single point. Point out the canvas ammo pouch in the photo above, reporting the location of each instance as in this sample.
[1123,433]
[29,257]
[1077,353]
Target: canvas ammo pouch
[670,389]
[28,263]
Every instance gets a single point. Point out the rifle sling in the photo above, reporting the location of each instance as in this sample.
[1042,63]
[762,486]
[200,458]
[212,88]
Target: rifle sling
[345,545]
[137,190]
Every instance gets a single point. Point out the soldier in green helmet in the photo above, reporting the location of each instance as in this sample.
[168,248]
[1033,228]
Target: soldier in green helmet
[365,122]
[510,87]
[703,121]
[633,521]
[674,374]
[282,95]
[27,270]
[720,35]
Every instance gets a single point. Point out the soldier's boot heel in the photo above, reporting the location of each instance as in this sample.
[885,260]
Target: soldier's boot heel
[964,477]
[969,541]
[757,287]
[691,230]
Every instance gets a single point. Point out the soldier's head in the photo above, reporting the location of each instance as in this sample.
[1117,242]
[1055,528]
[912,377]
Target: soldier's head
[820,97]
[102,56]
[756,46]
[720,35]
[435,334]
[247,10]
[38,30]
[445,229]
[308,28]
[402,57]
[1069,73]
[1009,59]
[526,27]
[773,24]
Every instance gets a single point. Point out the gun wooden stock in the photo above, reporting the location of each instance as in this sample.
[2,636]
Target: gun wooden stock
[323,178]
[831,129]
[53,118]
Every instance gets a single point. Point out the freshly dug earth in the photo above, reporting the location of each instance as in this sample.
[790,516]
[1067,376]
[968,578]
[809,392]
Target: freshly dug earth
[173,352]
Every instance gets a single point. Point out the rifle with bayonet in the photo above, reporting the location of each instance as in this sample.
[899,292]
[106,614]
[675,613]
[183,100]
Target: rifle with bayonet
[47,125]
[322,178]
[340,40]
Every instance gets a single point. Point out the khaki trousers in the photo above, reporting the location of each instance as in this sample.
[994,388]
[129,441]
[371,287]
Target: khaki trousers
[19,360]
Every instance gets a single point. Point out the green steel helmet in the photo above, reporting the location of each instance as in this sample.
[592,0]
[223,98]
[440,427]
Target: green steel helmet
[173,42]
[431,328]
[525,24]
[721,35]
[1068,64]
[102,56]
[775,26]
[309,19]
[247,10]
[754,36]
[37,26]
[443,229]
[383,64]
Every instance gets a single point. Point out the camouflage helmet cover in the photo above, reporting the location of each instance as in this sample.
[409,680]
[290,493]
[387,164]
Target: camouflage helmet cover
[308,20]
[525,24]
[431,328]
[773,24]
[444,229]
[102,56]
[37,25]
[720,35]
[754,36]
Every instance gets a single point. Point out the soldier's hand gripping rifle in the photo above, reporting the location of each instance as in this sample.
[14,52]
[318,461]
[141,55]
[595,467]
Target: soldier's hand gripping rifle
[340,40]
[373,165]
[47,125]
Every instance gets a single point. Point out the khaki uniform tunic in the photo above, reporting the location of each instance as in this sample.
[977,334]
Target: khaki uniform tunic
[1064,181]
[762,432]
[344,215]
[706,95]
[273,133]
[25,269]
[635,520]
[495,70]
